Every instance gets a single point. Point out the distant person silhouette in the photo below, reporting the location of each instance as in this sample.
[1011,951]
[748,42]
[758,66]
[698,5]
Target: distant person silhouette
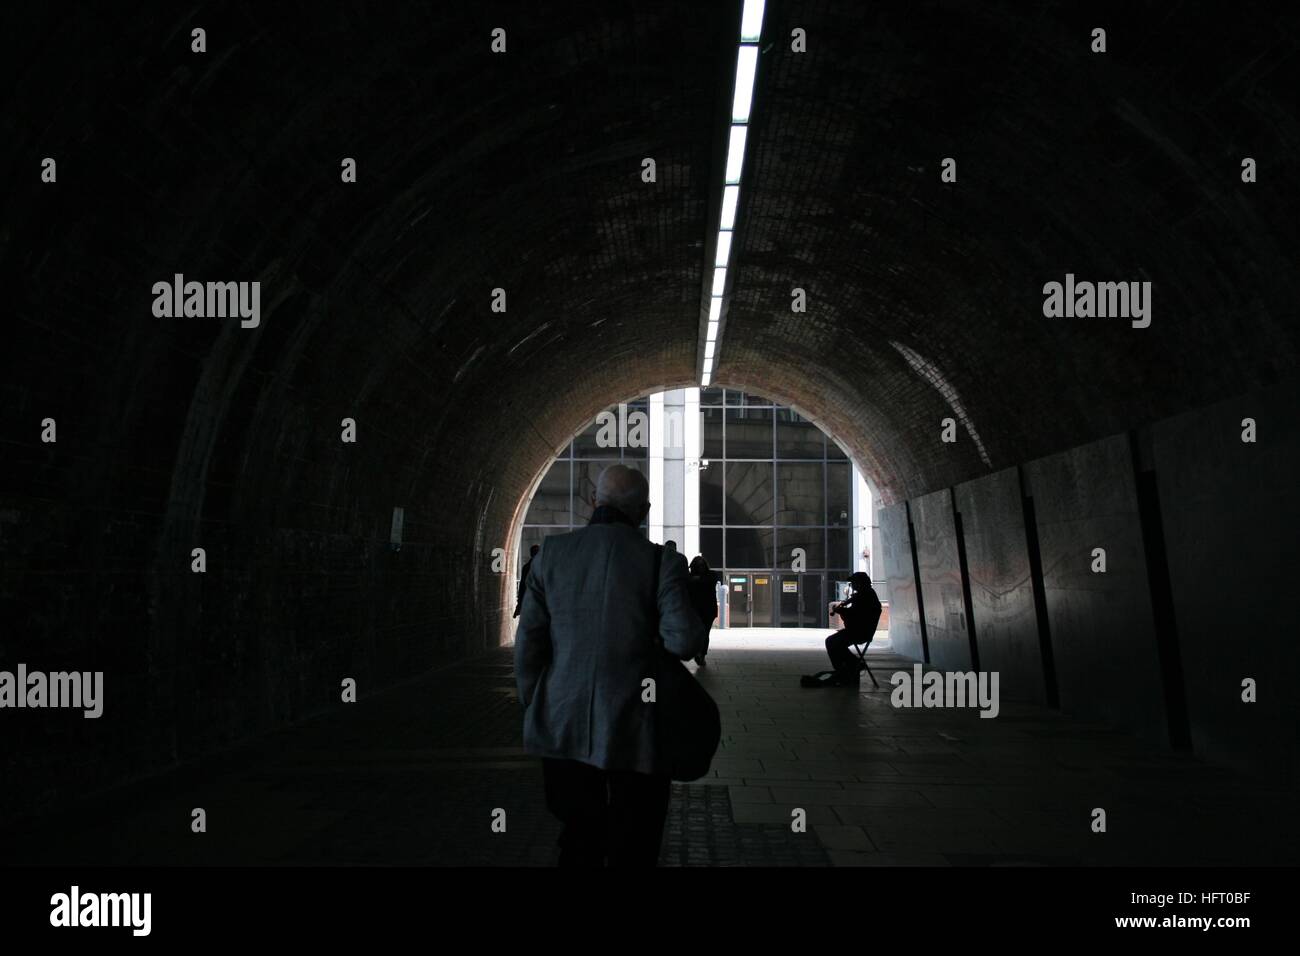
[585,644]
[703,585]
[523,577]
[860,613]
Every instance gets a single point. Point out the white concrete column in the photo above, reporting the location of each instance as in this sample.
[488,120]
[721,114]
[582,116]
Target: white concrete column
[692,435]
[864,522]
[658,501]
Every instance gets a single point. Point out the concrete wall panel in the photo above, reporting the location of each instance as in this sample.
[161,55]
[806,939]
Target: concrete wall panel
[1002,594]
[941,587]
[1230,513]
[904,616]
[1103,636]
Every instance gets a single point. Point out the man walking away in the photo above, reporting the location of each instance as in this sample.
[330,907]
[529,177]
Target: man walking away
[585,644]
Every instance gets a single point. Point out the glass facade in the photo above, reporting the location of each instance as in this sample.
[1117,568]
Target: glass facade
[775,501]
[776,506]
[563,499]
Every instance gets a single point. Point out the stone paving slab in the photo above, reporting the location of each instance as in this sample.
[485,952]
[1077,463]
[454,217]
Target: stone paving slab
[844,837]
[412,776]
[873,797]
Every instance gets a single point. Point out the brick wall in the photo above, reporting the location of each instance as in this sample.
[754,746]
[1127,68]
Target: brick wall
[522,172]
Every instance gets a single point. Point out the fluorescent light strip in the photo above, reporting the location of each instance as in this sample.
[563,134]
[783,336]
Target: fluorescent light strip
[724,248]
[742,103]
[730,198]
[735,153]
[751,21]
[743,98]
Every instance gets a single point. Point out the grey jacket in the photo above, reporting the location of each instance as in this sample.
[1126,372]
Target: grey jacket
[584,644]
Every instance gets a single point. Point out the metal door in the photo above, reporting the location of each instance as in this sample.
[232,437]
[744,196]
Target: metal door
[790,600]
[760,604]
[812,609]
[738,600]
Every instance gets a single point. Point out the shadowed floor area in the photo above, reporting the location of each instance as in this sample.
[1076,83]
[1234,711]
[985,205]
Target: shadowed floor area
[303,321]
[414,776]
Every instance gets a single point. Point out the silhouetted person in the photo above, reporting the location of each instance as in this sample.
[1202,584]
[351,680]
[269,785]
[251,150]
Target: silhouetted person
[523,578]
[860,613]
[585,643]
[703,585]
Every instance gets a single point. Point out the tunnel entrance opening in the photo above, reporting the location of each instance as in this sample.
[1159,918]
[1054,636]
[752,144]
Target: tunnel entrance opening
[772,502]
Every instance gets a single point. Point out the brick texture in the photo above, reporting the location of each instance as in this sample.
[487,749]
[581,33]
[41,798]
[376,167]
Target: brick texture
[521,171]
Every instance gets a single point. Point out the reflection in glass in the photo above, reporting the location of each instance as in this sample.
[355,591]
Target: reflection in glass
[619,432]
[711,492]
[749,547]
[796,437]
[838,546]
[711,546]
[584,444]
[808,540]
[749,433]
[712,433]
[800,495]
[749,492]
[839,496]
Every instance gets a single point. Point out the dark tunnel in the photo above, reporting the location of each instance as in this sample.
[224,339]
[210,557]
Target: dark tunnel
[500,271]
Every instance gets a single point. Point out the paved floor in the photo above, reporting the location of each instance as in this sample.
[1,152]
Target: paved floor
[414,776]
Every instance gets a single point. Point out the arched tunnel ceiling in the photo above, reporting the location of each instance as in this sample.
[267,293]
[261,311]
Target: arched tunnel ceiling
[522,171]
[1113,167]
[475,172]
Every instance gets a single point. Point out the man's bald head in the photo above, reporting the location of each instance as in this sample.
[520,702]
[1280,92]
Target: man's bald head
[624,488]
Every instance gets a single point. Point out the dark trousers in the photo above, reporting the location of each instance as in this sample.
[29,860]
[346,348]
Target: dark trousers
[837,648]
[613,816]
